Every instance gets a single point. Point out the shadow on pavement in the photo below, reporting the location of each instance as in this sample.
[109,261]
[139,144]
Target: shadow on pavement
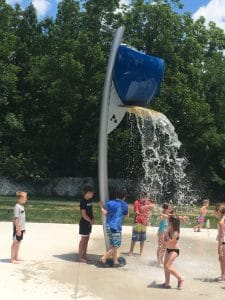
[156,285]
[93,259]
[5,260]
[205,279]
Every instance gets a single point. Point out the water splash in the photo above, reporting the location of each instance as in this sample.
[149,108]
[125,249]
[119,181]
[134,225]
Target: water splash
[164,176]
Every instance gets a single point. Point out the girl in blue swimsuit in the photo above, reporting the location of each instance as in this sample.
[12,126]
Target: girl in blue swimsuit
[163,226]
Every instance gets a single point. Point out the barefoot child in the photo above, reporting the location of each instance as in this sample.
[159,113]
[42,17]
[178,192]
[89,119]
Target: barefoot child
[172,251]
[201,217]
[142,208]
[220,214]
[86,222]
[115,210]
[18,225]
[163,227]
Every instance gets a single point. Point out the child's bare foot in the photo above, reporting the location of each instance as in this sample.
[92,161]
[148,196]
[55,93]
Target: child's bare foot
[19,259]
[130,254]
[180,283]
[221,278]
[159,264]
[165,286]
[83,260]
[13,261]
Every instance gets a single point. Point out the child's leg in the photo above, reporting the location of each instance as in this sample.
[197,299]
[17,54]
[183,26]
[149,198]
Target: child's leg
[135,237]
[110,253]
[85,247]
[82,246]
[166,272]
[168,265]
[132,244]
[15,251]
[197,228]
[222,262]
[161,248]
[200,226]
[141,247]
[142,237]
[115,257]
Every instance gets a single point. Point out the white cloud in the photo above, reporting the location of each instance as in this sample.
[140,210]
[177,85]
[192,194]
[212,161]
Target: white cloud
[213,11]
[127,2]
[13,2]
[42,6]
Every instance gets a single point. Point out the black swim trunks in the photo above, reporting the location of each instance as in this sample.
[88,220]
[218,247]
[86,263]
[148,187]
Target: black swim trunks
[17,237]
[84,227]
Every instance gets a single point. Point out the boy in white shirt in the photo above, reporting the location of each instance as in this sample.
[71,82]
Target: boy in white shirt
[18,225]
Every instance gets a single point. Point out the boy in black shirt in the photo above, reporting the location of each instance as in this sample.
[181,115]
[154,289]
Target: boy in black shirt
[86,221]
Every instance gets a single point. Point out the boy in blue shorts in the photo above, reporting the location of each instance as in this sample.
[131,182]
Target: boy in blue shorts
[114,210]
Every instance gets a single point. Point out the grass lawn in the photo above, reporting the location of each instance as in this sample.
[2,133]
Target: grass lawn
[62,210]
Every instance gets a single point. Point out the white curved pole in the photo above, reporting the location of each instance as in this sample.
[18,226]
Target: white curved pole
[103,136]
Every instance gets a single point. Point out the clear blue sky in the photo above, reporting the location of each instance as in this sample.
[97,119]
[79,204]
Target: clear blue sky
[194,5]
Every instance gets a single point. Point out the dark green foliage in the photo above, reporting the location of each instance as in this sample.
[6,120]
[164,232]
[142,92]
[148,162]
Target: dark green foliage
[52,76]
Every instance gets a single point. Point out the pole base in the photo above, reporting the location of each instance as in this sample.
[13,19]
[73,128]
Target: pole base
[121,259]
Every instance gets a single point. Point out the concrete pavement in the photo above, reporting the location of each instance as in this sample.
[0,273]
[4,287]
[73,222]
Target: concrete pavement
[51,270]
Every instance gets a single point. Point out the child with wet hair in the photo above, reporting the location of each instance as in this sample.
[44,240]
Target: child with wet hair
[220,214]
[172,251]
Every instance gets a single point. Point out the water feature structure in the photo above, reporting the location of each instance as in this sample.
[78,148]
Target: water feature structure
[132,78]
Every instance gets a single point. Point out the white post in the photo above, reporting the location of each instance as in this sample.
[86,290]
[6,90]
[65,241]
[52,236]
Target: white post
[103,136]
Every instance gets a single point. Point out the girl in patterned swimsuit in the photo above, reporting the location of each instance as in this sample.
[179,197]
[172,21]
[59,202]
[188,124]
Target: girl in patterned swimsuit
[163,226]
[172,251]
[220,214]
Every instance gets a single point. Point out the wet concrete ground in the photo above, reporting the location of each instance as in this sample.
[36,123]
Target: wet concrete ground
[51,270]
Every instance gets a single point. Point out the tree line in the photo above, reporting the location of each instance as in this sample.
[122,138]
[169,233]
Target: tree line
[52,75]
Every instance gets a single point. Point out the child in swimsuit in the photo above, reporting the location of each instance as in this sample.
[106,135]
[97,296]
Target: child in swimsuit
[163,226]
[220,214]
[172,251]
[201,217]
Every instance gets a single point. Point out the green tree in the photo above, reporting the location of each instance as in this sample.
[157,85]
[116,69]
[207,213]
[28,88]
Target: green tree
[11,123]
